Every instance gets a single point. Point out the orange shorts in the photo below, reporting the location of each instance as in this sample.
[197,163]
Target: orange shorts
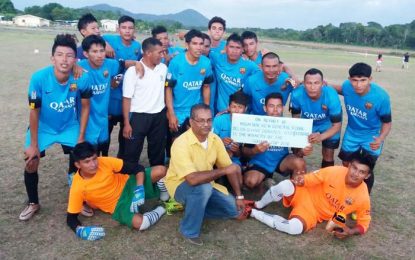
[303,207]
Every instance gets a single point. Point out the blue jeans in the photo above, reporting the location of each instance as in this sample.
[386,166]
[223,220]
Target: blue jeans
[202,201]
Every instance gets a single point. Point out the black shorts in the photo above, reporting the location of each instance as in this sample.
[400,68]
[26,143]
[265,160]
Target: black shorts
[347,156]
[114,120]
[255,167]
[66,150]
[331,144]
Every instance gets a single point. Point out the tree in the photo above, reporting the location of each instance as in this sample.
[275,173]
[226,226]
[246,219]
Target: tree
[7,7]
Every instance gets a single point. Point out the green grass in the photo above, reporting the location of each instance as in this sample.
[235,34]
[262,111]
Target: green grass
[47,236]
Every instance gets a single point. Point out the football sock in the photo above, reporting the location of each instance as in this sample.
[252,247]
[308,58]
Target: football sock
[31,181]
[275,193]
[164,195]
[325,164]
[151,217]
[293,226]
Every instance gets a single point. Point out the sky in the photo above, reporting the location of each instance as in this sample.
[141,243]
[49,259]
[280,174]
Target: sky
[294,14]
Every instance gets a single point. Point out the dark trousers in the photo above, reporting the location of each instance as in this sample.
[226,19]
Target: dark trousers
[152,126]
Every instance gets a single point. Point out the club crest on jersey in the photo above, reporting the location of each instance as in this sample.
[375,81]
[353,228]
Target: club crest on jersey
[349,201]
[324,107]
[203,71]
[73,87]
[106,73]
[242,70]
[368,105]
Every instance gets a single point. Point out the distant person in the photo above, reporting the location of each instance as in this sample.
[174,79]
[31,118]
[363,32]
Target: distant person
[55,97]
[160,33]
[216,31]
[231,70]
[318,102]
[369,116]
[206,44]
[315,197]
[87,25]
[191,176]
[111,185]
[379,61]
[124,48]
[405,61]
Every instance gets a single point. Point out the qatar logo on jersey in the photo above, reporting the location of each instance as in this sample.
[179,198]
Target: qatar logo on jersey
[62,106]
[236,82]
[314,116]
[98,89]
[193,85]
[356,112]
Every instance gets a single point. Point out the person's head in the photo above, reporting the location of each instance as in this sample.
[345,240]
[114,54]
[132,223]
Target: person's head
[216,28]
[273,104]
[234,47]
[88,25]
[201,120]
[152,51]
[85,157]
[360,168]
[360,75]
[250,43]
[238,102]
[160,33]
[126,28]
[94,50]
[194,43]
[271,66]
[206,44]
[313,82]
[64,53]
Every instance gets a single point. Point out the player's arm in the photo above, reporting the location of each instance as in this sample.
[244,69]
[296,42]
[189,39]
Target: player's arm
[128,92]
[338,88]
[319,137]
[171,116]
[206,93]
[291,73]
[258,148]
[84,232]
[378,140]
[128,130]
[85,104]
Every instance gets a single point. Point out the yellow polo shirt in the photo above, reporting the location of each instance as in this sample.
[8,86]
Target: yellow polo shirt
[188,156]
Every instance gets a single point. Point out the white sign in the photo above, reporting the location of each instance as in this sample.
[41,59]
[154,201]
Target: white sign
[278,131]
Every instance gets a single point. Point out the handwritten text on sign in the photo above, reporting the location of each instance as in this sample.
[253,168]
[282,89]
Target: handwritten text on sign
[278,131]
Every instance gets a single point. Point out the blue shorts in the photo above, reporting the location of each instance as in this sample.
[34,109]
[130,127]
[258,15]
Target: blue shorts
[98,136]
[69,138]
[358,143]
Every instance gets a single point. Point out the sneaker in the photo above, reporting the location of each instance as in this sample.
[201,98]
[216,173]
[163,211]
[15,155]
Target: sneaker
[29,211]
[172,206]
[87,211]
[249,204]
[195,241]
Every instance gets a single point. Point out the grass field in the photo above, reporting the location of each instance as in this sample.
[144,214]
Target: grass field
[390,236]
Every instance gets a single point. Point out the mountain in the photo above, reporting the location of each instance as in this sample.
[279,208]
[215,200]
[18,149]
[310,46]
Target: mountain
[188,17]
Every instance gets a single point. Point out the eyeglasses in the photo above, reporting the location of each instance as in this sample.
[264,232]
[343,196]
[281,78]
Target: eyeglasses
[203,121]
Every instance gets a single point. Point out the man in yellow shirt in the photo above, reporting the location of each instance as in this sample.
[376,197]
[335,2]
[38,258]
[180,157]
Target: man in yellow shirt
[317,196]
[191,175]
[104,183]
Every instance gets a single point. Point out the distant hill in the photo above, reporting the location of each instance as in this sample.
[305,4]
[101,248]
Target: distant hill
[188,17]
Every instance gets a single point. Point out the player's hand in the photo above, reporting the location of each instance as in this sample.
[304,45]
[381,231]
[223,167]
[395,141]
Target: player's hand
[77,71]
[173,122]
[32,156]
[314,138]
[291,81]
[342,234]
[307,150]
[139,69]
[234,147]
[264,51]
[109,51]
[138,199]
[261,147]
[90,232]
[298,179]
[240,205]
[376,143]
[227,141]
[115,81]
[127,132]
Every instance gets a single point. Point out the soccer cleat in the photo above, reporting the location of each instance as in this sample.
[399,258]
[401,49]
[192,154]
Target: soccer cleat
[249,204]
[29,211]
[172,206]
[87,211]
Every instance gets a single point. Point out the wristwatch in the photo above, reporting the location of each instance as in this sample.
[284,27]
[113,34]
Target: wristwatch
[240,197]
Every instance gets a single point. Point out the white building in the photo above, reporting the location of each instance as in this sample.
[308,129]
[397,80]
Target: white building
[30,21]
[109,25]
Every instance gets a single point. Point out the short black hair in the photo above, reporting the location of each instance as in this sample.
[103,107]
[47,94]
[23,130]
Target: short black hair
[92,39]
[234,37]
[157,30]
[273,95]
[125,18]
[217,19]
[313,71]
[197,107]
[150,43]
[270,55]
[206,37]
[82,151]
[239,98]
[85,20]
[65,40]
[360,69]
[192,34]
[362,158]
[249,35]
